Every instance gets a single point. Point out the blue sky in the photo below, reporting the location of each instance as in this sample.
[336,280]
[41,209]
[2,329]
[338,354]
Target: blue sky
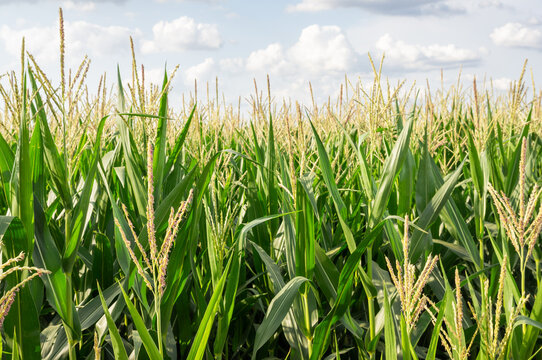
[294,41]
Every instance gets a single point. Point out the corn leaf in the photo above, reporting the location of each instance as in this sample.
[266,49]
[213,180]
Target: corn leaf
[277,310]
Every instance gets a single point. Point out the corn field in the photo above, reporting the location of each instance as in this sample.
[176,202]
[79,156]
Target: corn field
[388,223]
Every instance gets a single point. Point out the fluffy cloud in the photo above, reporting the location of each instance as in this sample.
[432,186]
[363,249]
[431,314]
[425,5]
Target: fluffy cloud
[413,57]
[42,42]
[390,7]
[321,55]
[517,35]
[78,5]
[203,70]
[81,38]
[323,49]
[179,1]
[232,65]
[501,84]
[319,51]
[180,34]
[81,2]
[271,60]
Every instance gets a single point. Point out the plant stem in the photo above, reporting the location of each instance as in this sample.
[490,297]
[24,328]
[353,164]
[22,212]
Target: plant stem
[537,273]
[306,315]
[369,296]
[159,326]
[68,324]
[157,300]
[481,254]
[522,268]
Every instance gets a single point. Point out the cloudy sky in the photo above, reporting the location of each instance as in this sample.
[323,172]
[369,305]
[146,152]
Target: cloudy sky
[294,41]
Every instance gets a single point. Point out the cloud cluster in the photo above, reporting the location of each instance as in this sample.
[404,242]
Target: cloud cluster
[179,1]
[388,7]
[404,56]
[79,5]
[319,50]
[514,34]
[321,55]
[323,49]
[180,34]
[85,38]
[81,38]
[81,2]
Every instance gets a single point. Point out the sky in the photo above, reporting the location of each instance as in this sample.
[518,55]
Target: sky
[295,41]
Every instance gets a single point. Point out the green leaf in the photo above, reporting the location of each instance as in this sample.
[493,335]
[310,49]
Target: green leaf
[326,274]
[512,176]
[204,330]
[531,335]
[130,155]
[305,232]
[430,214]
[172,159]
[6,165]
[273,270]
[233,282]
[179,251]
[366,179]
[272,197]
[406,182]
[47,256]
[391,169]
[78,219]
[521,320]
[429,180]
[405,339]
[148,342]
[116,341]
[432,350]
[329,180]
[21,182]
[277,310]
[159,160]
[390,339]
[340,207]
[22,319]
[38,163]
[55,163]
[344,294]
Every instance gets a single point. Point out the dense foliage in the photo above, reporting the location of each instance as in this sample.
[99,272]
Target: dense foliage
[373,227]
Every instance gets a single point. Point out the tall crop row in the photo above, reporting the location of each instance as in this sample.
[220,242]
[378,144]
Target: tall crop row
[384,224]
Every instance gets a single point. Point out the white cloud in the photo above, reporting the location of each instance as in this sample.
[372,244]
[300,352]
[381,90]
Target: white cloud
[99,40]
[204,70]
[419,57]
[517,35]
[270,60]
[81,2]
[232,65]
[42,42]
[81,38]
[323,48]
[179,1]
[180,34]
[79,6]
[319,51]
[390,7]
[321,55]
[491,4]
[154,76]
[501,84]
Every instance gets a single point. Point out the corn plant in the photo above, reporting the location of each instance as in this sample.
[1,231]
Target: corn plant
[381,224]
